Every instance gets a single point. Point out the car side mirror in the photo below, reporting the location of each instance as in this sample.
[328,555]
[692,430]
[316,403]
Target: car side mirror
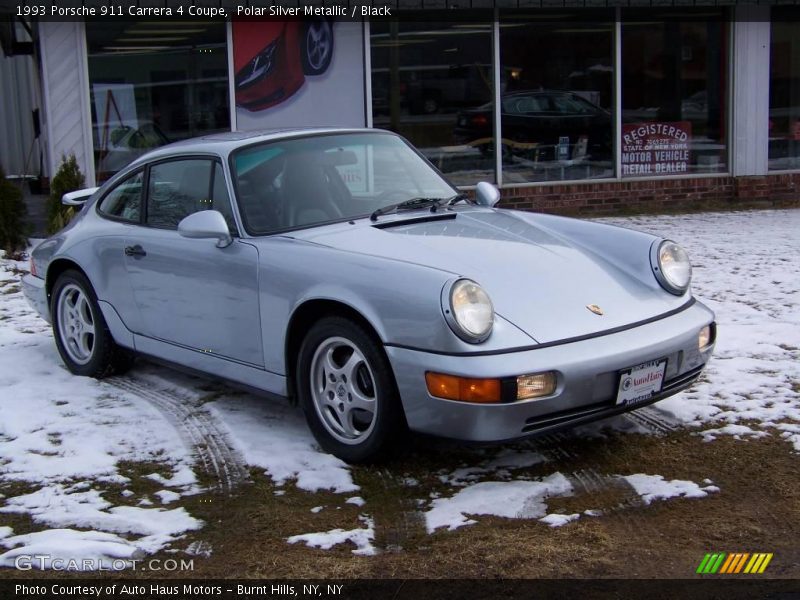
[487,194]
[78,197]
[206,224]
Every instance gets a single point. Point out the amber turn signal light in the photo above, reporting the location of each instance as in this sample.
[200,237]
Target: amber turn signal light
[464,389]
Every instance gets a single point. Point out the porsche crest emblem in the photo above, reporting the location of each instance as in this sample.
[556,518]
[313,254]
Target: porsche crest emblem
[595,309]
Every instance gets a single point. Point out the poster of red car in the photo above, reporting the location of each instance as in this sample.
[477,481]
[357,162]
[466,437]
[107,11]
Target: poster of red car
[271,59]
[297,73]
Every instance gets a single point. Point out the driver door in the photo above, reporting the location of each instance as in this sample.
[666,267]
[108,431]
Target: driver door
[188,291]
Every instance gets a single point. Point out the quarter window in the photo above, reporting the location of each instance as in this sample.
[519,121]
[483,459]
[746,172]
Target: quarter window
[125,200]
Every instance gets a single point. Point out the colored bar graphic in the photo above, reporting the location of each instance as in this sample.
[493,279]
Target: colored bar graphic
[727,564]
[740,563]
[765,563]
[734,563]
[703,563]
[755,561]
[717,563]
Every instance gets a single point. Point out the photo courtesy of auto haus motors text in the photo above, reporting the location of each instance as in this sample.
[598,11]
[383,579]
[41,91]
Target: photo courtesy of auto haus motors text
[403,300]
[161,590]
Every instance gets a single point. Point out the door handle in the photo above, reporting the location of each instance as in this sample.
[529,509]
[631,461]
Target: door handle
[136,250]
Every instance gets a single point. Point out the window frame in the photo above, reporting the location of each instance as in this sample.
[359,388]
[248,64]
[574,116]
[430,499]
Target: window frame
[145,169]
[115,184]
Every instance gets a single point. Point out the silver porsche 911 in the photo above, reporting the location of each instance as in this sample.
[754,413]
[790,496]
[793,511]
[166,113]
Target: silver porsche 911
[340,269]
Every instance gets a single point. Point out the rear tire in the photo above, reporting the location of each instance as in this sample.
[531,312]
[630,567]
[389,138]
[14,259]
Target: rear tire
[81,333]
[347,390]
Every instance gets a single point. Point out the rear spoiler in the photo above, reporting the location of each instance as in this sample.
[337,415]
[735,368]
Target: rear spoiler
[78,197]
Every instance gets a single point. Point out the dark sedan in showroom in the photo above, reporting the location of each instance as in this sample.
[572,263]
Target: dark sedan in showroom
[547,124]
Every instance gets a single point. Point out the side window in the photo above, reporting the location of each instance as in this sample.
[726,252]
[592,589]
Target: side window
[125,200]
[177,189]
[220,200]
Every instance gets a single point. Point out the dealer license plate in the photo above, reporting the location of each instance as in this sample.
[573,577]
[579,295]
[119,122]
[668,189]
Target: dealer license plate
[641,382]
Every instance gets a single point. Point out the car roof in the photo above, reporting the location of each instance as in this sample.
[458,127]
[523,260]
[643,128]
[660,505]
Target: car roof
[226,142]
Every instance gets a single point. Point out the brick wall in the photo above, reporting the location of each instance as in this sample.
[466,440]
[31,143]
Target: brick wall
[656,195]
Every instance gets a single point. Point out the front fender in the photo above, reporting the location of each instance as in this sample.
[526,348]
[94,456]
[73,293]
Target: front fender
[400,300]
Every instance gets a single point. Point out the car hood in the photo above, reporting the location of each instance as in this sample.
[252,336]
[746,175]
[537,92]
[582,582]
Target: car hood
[537,278]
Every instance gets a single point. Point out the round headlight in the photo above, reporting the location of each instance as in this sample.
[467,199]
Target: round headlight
[471,311]
[672,267]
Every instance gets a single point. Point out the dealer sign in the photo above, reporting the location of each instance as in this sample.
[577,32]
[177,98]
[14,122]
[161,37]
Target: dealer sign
[655,148]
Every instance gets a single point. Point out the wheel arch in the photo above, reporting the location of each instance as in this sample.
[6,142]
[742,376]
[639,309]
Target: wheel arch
[55,269]
[302,319]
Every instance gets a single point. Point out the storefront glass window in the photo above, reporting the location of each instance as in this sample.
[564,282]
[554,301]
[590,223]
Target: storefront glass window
[674,93]
[557,96]
[151,83]
[426,79]
[784,89]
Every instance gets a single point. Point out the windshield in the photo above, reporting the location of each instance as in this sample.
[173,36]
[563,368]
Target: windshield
[318,179]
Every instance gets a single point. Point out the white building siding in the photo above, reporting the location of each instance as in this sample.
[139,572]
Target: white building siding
[750,102]
[66,95]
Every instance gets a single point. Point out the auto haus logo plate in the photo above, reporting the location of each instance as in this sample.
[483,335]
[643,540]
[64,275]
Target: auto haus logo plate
[641,382]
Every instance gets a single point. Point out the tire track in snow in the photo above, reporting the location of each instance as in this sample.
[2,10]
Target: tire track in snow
[198,427]
[615,495]
[653,420]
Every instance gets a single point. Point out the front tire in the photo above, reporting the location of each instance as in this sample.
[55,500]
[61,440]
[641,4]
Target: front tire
[81,333]
[346,388]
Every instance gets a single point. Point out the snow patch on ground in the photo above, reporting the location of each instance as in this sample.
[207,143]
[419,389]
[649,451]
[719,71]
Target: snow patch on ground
[557,520]
[655,487]
[362,538]
[510,499]
[791,433]
[357,500]
[66,545]
[498,467]
[737,431]
[199,548]
[275,437]
[56,507]
[167,496]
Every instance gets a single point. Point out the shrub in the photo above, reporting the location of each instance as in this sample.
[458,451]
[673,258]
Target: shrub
[68,178]
[12,214]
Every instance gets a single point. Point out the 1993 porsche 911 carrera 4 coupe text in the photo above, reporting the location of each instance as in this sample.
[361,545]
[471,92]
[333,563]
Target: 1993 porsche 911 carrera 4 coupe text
[339,268]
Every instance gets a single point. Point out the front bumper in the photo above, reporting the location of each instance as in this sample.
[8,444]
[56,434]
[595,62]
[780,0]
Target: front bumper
[35,293]
[588,379]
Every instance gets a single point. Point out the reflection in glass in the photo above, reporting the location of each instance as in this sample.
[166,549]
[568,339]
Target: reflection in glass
[153,82]
[557,96]
[784,89]
[423,76]
[674,97]
[313,180]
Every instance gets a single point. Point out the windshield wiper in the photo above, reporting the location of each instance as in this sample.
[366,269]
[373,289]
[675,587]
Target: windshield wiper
[411,204]
[415,203]
[457,198]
